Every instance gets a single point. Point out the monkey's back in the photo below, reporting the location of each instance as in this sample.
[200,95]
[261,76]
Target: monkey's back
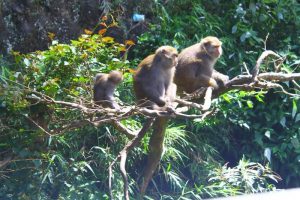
[187,65]
[100,87]
[149,75]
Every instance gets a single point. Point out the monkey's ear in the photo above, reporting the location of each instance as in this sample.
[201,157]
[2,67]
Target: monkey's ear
[206,43]
[163,51]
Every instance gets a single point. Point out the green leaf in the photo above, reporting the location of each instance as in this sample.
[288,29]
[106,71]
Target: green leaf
[294,111]
[283,121]
[297,117]
[234,29]
[268,134]
[295,143]
[226,98]
[26,62]
[89,167]
[250,104]
[169,167]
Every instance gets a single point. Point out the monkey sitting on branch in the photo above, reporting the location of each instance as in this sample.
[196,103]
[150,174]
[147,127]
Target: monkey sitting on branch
[195,67]
[153,81]
[104,87]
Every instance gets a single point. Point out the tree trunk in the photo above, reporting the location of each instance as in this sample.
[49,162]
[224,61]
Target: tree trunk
[155,151]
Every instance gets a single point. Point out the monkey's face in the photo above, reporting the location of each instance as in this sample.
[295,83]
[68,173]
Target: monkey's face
[214,50]
[172,59]
[213,46]
[169,55]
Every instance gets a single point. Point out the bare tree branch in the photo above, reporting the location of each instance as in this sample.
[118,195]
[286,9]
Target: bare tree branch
[120,127]
[263,56]
[123,156]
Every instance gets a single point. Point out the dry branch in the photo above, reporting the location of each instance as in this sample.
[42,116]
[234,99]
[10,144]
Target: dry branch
[263,56]
[123,155]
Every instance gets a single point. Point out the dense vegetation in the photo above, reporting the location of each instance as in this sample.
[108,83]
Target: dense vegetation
[238,150]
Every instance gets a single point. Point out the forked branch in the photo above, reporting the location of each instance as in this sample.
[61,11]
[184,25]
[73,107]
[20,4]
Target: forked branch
[123,156]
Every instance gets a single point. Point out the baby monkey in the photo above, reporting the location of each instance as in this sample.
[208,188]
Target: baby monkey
[104,87]
[196,63]
[153,81]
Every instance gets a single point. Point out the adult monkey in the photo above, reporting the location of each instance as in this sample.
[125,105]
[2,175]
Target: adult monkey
[196,63]
[153,81]
[154,88]
[104,87]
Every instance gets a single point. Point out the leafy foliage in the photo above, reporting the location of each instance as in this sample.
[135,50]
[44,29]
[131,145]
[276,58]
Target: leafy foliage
[262,126]
[249,123]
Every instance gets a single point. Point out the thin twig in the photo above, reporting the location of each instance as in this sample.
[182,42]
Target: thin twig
[262,57]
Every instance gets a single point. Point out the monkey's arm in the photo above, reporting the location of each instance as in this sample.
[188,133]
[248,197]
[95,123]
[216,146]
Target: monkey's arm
[219,77]
[205,81]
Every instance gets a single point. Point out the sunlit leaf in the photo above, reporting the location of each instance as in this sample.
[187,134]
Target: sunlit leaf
[250,104]
[129,42]
[88,32]
[113,24]
[226,98]
[26,62]
[294,111]
[102,31]
[84,56]
[103,24]
[108,39]
[122,48]
[132,71]
[51,35]
[268,134]
[104,18]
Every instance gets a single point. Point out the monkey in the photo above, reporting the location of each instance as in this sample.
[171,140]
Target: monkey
[195,67]
[104,87]
[153,81]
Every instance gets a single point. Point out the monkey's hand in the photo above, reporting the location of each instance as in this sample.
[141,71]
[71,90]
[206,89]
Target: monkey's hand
[170,109]
[213,83]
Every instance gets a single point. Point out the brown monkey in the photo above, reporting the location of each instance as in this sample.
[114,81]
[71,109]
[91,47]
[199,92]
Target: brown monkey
[153,81]
[104,87]
[195,67]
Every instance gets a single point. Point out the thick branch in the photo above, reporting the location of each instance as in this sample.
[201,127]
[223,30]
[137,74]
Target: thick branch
[123,156]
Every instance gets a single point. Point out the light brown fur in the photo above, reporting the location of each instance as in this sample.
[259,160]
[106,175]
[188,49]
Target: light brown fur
[195,67]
